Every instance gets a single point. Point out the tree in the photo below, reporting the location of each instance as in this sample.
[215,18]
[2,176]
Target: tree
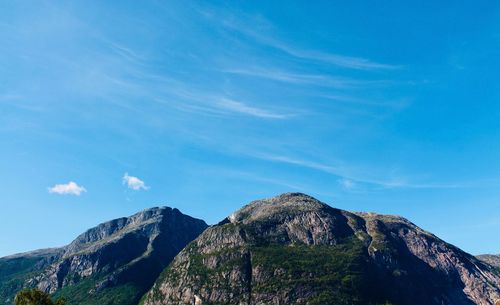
[36,297]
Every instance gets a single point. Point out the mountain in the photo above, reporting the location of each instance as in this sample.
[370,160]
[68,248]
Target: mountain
[15,270]
[290,249]
[113,263]
[493,260]
[294,249]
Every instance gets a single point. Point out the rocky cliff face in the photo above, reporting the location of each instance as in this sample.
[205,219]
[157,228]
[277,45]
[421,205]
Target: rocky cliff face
[117,261]
[293,249]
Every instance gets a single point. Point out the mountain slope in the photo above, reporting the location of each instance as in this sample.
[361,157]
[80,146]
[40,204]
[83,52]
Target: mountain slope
[15,270]
[493,260]
[113,263]
[293,249]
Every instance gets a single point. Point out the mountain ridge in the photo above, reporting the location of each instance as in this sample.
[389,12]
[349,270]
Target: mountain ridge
[114,262]
[288,249]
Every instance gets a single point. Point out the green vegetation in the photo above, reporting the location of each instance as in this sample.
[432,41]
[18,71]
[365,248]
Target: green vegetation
[14,273]
[329,274]
[321,274]
[85,293]
[36,297]
[210,278]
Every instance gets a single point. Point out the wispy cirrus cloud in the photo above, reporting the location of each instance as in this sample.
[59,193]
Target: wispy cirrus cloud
[321,80]
[340,60]
[350,62]
[242,108]
[349,177]
[70,188]
[134,183]
[353,100]
[206,102]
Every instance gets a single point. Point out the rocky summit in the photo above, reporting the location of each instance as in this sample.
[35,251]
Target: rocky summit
[113,263]
[294,249]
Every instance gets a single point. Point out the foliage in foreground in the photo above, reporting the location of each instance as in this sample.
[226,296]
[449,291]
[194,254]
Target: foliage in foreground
[36,297]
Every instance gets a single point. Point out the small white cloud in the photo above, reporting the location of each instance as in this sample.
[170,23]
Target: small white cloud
[70,188]
[134,182]
[347,184]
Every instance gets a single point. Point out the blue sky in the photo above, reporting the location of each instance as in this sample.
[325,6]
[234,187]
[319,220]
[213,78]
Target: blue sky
[206,105]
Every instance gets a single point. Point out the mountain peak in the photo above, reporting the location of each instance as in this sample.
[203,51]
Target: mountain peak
[146,220]
[293,249]
[287,203]
[125,255]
